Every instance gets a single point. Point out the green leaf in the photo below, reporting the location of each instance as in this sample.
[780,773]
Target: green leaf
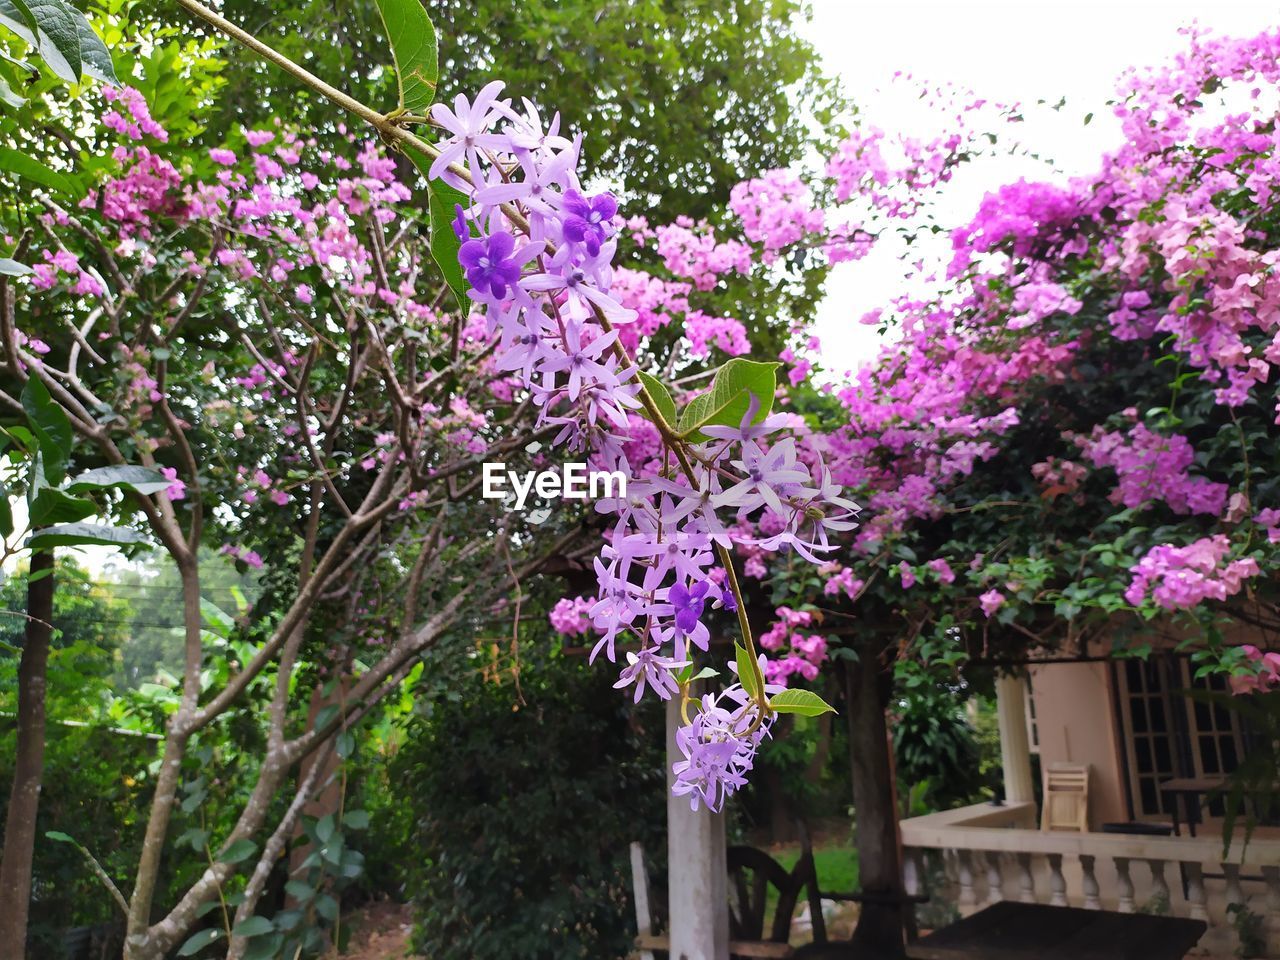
[19,164]
[6,513]
[346,744]
[356,819]
[299,890]
[59,35]
[9,99]
[444,242]
[242,849]
[327,907]
[17,16]
[729,398]
[706,673]
[12,268]
[325,715]
[59,836]
[52,506]
[325,827]
[660,396]
[252,927]
[94,54]
[140,479]
[747,672]
[83,534]
[199,941]
[414,50]
[804,702]
[51,427]
[215,620]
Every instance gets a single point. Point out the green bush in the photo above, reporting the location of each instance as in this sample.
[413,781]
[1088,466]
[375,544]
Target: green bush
[520,850]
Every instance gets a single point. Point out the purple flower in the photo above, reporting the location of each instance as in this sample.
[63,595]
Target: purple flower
[489,264]
[688,603]
[648,666]
[585,219]
[460,228]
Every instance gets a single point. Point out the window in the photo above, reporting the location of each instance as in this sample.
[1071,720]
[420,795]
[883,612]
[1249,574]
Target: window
[1033,729]
[1168,734]
[1145,705]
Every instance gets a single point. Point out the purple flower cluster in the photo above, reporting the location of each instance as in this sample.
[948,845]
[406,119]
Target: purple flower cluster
[538,257]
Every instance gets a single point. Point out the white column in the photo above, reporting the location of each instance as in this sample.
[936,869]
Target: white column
[1015,749]
[697,877]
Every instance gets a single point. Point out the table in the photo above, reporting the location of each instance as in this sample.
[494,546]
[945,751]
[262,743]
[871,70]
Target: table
[1184,789]
[1032,931]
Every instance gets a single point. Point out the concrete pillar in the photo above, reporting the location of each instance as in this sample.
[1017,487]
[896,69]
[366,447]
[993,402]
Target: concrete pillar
[1015,748]
[697,873]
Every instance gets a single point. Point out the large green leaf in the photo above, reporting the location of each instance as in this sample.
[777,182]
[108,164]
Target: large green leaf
[83,534]
[804,702]
[17,16]
[66,41]
[199,941]
[415,51]
[140,479]
[443,201]
[16,162]
[53,506]
[661,398]
[12,268]
[94,54]
[52,428]
[59,33]
[729,398]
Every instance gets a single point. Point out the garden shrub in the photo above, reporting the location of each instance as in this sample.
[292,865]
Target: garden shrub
[526,809]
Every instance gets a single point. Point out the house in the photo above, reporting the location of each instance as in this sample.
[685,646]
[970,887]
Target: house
[1141,740]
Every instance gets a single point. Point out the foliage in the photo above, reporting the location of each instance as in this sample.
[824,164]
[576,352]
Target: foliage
[95,791]
[526,807]
[934,743]
[732,81]
[91,627]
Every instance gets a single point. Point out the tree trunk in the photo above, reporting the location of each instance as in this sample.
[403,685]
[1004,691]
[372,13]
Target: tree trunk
[24,797]
[881,922]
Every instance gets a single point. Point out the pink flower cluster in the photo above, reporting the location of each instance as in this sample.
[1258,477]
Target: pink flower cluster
[131,116]
[794,653]
[1264,672]
[1150,466]
[572,616]
[1181,577]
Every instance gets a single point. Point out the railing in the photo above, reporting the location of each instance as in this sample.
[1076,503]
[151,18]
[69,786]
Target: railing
[986,853]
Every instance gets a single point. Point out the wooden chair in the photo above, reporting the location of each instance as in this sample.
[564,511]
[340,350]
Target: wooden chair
[751,875]
[1066,798]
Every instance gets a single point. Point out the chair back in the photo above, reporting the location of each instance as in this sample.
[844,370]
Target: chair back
[751,873]
[1066,797]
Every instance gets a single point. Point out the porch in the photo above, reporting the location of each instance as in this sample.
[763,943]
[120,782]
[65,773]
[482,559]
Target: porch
[977,855]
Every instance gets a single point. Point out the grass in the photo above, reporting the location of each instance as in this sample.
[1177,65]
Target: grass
[837,866]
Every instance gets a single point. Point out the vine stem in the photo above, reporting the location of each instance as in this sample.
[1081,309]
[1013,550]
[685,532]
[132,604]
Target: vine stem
[390,128]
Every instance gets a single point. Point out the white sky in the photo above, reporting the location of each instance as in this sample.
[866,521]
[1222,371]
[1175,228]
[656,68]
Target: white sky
[1012,52]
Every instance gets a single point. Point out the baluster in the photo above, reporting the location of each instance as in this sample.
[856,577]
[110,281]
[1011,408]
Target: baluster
[913,872]
[1272,876]
[1235,894]
[1089,883]
[1196,899]
[1159,887]
[995,882]
[1125,884]
[1026,881]
[1057,882]
[964,869]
